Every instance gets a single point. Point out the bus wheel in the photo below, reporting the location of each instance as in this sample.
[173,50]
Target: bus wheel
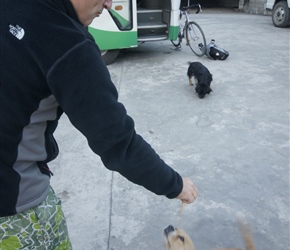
[281,14]
[109,56]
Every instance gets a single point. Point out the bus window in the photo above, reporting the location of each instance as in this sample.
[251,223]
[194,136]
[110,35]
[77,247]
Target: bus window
[121,12]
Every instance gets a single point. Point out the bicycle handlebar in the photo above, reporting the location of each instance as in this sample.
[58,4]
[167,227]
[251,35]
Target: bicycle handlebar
[192,6]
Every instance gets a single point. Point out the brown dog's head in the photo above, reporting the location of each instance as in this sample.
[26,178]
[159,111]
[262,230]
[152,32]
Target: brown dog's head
[177,239]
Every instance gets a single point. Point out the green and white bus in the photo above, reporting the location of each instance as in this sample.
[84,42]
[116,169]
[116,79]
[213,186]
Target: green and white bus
[130,22]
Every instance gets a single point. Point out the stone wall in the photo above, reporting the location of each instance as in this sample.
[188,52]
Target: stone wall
[248,6]
[213,3]
[255,7]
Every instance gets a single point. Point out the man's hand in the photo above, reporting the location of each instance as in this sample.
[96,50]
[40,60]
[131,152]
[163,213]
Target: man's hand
[189,191]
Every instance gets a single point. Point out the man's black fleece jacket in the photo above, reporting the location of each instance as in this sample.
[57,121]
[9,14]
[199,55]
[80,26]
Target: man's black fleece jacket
[50,64]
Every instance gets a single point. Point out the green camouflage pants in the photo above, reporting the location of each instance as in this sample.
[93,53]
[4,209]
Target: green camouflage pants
[39,228]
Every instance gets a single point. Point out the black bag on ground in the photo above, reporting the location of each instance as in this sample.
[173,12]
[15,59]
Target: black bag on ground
[215,52]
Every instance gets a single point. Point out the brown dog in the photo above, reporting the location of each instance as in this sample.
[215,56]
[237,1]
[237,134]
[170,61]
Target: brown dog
[177,239]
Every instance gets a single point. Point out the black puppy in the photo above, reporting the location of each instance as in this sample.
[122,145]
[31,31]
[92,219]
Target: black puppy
[202,78]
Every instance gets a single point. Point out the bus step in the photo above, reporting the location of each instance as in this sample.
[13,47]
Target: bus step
[153,31]
[149,16]
[150,38]
[151,26]
[141,10]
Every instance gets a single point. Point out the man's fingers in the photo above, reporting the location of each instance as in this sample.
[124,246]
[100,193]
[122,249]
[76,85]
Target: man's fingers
[189,192]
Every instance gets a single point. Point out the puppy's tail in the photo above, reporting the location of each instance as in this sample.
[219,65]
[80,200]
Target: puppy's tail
[247,235]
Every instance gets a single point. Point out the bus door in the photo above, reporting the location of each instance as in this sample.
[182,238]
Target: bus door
[130,22]
[157,20]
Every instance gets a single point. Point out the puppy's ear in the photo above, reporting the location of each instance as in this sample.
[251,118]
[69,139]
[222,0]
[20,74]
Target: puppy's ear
[209,90]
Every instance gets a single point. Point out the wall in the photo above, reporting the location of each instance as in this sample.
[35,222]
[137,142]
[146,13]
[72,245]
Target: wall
[213,3]
[248,6]
[255,7]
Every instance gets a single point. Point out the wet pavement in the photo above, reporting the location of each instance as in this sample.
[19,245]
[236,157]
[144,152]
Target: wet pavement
[234,144]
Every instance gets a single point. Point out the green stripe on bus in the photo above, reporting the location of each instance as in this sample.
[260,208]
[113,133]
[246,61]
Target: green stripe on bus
[173,32]
[108,40]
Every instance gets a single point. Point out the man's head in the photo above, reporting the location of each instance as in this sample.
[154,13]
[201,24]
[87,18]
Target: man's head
[87,10]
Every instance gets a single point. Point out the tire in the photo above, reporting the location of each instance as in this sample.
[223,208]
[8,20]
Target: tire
[280,14]
[195,39]
[109,56]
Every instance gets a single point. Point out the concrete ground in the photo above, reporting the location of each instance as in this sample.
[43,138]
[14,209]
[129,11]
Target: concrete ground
[234,144]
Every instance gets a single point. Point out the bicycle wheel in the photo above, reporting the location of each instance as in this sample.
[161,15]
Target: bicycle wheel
[195,38]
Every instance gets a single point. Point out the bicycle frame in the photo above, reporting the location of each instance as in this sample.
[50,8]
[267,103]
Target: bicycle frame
[195,38]
[183,12]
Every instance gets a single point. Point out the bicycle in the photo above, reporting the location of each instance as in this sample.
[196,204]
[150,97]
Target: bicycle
[195,38]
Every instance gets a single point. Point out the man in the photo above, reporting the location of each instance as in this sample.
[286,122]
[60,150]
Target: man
[50,64]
